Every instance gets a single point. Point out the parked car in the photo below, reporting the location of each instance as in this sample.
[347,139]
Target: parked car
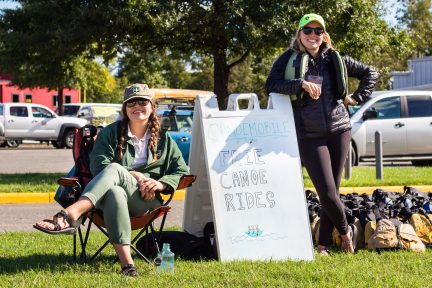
[404,118]
[98,114]
[178,123]
[29,121]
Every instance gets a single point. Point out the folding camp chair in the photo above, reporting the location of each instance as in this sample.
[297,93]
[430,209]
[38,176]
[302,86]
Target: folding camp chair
[83,143]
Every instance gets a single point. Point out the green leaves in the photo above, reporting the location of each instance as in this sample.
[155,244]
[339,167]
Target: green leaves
[43,41]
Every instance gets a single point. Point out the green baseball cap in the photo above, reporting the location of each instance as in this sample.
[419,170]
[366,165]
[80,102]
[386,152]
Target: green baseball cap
[137,91]
[306,19]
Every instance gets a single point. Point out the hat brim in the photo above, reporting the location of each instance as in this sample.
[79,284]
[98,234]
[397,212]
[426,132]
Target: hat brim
[149,97]
[314,20]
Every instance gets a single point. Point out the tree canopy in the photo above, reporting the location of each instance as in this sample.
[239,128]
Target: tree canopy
[221,45]
[417,17]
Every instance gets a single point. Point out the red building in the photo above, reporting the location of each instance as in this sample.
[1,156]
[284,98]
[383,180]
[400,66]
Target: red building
[9,93]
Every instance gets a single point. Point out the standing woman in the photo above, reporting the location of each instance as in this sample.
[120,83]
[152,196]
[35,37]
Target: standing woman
[315,77]
[132,162]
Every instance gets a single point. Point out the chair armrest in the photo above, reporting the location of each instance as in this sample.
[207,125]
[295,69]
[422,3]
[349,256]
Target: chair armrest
[69,182]
[186,181]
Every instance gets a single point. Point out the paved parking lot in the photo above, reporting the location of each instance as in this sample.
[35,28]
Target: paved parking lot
[35,158]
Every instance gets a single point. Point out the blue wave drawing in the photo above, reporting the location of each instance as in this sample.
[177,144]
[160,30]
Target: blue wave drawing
[262,237]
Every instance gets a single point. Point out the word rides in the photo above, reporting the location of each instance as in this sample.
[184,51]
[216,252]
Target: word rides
[247,200]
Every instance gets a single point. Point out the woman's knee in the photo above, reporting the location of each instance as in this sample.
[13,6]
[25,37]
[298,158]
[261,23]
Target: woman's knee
[114,199]
[117,174]
[115,167]
[117,194]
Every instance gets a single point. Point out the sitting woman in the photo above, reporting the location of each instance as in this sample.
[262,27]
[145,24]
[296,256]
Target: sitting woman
[131,162]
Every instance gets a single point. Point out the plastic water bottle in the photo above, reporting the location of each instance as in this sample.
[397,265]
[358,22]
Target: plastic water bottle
[158,262]
[167,259]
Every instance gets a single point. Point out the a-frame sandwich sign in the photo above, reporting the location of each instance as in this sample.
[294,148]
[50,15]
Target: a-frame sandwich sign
[249,180]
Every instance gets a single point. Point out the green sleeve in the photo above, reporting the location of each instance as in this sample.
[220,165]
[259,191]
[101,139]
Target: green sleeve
[103,151]
[175,166]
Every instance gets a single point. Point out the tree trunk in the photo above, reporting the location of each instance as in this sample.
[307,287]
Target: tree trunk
[219,51]
[60,101]
[221,78]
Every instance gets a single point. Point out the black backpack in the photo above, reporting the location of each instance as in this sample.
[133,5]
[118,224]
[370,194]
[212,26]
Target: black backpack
[184,245]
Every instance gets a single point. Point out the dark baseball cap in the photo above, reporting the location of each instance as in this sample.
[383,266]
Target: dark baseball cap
[137,91]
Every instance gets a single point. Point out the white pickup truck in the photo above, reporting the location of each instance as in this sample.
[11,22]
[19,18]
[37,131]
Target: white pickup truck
[29,121]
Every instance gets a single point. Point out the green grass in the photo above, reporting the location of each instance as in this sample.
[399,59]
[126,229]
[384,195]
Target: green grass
[39,260]
[29,182]
[393,176]
[361,176]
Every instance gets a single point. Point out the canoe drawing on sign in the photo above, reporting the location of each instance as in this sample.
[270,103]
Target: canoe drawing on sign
[254,231]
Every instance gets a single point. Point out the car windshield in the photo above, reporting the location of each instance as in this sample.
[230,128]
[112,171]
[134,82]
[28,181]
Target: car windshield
[184,121]
[70,110]
[106,111]
[172,120]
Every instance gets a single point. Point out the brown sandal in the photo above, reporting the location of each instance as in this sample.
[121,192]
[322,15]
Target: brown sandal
[71,229]
[347,245]
[323,251]
[129,270]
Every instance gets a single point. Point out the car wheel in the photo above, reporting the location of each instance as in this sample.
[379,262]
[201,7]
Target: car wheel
[422,162]
[57,144]
[354,160]
[12,143]
[68,139]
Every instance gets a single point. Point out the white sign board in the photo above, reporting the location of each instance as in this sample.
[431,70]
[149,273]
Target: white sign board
[249,180]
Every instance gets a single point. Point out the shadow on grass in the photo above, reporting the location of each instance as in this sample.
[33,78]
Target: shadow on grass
[47,262]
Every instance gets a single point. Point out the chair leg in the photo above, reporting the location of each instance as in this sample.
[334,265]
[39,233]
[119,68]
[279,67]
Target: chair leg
[138,235]
[74,248]
[83,256]
[140,254]
[161,227]
[103,246]
[99,251]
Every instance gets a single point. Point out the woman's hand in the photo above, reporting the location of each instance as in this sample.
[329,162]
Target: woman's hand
[148,188]
[313,89]
[349,101]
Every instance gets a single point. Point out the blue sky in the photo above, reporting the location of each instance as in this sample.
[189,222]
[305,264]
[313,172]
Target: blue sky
[8,4]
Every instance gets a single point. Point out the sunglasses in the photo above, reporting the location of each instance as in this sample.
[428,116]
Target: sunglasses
[308,31]
[140,102]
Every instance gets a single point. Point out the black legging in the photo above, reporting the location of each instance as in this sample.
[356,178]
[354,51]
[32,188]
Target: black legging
[324,159]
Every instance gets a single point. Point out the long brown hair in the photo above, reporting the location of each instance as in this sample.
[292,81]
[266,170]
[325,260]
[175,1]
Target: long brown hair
[154,127]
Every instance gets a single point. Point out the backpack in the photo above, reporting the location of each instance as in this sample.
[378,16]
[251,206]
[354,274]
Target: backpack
[298,64]
[369,230]
[184,245]
[393,234]
[70,187]
[422,224]
[358,235]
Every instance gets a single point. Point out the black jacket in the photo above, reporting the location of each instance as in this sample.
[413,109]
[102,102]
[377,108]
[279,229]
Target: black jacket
[327,115]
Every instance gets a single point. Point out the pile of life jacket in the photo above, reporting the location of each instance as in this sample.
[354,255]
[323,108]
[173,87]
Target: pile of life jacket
[382,221]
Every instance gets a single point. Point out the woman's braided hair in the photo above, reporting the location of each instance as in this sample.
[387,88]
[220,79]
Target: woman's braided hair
[154,127]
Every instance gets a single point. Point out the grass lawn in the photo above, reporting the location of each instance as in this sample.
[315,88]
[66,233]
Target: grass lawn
[361,176]
[39,260]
